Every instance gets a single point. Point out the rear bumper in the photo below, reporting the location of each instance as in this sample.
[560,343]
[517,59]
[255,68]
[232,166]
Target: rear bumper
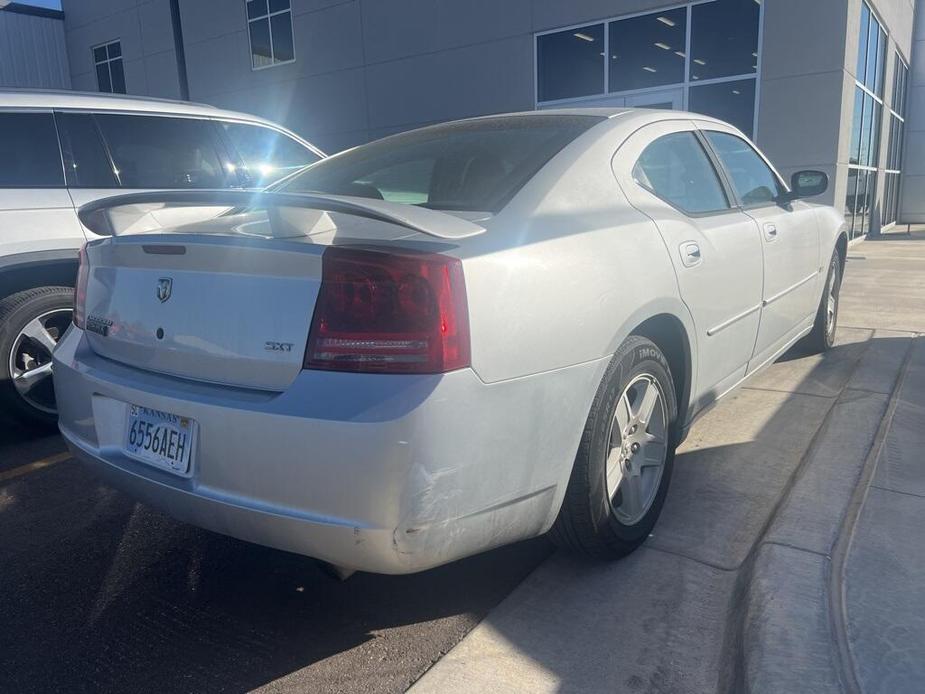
[390,474]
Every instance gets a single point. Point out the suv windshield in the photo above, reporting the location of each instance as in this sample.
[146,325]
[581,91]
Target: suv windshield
[470,165]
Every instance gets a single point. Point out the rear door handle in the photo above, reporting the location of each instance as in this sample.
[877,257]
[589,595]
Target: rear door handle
[690,254]
[770,231]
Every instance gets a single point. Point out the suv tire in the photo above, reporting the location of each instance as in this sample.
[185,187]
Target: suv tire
[31,323]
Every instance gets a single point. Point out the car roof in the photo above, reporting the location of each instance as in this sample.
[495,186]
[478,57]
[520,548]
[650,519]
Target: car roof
[94,101]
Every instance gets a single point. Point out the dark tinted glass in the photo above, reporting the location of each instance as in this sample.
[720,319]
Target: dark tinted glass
[864,154]
[281,27]
[855,152]
[156,152]
[256,8]
[29,155]
[99,54]
[279,5]
[648,51]
[724,38]
[873,51]
[85,161]
[733,102]
[676,168]
[260,43]
[469,165]
[102,77]
[570,63]
[118,77]
[114,49]
[861,68]
[266,155]
[752,179]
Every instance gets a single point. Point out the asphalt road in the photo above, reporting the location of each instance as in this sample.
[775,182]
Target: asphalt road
[99,593]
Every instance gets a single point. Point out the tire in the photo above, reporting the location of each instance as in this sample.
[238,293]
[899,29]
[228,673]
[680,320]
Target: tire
[822,337]
[595,520]
[31,401]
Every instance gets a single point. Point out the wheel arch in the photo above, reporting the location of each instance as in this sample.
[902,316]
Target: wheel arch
[670,335]
[841,247]
[41,269]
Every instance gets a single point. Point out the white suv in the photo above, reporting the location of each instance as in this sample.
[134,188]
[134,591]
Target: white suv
[60,150]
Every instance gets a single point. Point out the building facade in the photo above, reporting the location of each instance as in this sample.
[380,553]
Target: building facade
[32,47]
[818,84]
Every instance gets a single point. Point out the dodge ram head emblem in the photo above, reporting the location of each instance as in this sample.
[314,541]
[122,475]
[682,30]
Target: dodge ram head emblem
[164,286]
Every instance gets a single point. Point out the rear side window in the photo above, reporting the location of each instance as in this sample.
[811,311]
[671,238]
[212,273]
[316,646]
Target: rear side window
[676,168]
[85,160]
[265,154]
[29,153]
[161,152]
[752,179]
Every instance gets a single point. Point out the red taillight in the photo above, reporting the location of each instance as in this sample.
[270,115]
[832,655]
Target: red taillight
[389,312]
[80,291]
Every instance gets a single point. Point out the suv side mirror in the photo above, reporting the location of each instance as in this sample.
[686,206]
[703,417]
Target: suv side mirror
[806,184]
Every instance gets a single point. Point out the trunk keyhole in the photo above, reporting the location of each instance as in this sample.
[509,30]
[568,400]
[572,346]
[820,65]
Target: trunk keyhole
[160,333]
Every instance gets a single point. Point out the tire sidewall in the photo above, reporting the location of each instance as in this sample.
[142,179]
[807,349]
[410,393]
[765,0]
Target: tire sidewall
[10,327]
[639,356]
[834,277]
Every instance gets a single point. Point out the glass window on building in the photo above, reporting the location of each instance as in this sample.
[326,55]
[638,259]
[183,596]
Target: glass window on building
[570,63]
[110,77]
[269,27]
[648,51]
[897,116]
[701,56]
[864,155]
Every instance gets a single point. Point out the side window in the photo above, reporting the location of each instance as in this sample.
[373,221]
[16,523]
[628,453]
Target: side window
[267,155]
[160,152]
[676,168]
[752,179]
[29,154]
[85,162]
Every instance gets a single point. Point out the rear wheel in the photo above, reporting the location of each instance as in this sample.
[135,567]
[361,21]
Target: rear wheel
[624,462]
[31,323]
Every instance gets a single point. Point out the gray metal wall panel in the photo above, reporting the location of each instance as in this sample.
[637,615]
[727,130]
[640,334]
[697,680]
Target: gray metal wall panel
[32,52]
[912,195]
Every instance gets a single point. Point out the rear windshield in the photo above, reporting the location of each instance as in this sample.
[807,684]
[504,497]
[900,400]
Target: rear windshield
[469,165]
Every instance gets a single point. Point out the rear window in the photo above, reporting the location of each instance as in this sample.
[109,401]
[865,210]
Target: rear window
[161,152]
[470,165]
[29,154]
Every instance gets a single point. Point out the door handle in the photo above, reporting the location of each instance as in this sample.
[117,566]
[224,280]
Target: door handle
[770,231]
[690,254]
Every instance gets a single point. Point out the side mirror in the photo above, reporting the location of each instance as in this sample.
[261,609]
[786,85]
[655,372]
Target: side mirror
[806,184]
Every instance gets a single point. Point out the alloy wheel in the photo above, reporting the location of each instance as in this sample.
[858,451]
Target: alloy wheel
[831,302]
[30,358]
[638,449]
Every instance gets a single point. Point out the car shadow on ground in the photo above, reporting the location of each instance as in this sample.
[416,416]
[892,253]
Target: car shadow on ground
[99,593]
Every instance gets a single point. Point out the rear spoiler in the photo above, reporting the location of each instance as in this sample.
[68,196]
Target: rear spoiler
[97,218]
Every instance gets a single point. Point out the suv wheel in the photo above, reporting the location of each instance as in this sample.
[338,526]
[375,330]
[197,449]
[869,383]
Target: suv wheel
[31,323]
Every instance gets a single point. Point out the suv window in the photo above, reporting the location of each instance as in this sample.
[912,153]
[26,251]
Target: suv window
[163,152]
[29,154]
[676,168]
[752,179]
[266,155]
[85,162]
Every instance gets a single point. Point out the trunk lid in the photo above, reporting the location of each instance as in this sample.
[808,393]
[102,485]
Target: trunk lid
[225,303]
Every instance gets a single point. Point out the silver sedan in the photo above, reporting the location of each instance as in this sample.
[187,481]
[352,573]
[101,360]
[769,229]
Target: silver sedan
[446,340]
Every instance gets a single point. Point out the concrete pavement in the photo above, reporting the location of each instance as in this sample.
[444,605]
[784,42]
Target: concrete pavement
[789,555]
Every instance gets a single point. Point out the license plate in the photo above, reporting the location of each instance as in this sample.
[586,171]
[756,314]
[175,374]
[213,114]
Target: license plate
[161,439]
